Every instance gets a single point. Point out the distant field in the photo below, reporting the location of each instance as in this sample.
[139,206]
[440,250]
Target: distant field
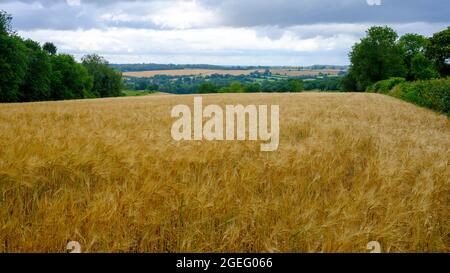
[208,72]
[351,168]
[186,72]
[288,72]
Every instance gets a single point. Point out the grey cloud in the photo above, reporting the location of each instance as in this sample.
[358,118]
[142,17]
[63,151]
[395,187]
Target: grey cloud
[296,12]
[48,3]
[57,14]
[29,16]
[340,22]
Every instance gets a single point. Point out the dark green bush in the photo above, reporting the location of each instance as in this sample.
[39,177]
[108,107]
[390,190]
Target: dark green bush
[433,94]
[385,86]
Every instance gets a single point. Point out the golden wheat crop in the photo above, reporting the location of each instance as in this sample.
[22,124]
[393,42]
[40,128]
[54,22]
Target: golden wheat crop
[350,168]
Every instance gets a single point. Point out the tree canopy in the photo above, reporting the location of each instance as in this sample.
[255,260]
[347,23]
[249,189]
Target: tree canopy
[5,23]
[438,50]
[50,48]
[376,57]
[418,66]
[106,81]
[382,55]
[30,72]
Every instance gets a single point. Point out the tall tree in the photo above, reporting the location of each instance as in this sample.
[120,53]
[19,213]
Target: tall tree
[422,68]
[13,61]
[376,57]
[106,81]
[36,86]
[5,23]
[50,48]
[439,51]
[70,80]
[419,67]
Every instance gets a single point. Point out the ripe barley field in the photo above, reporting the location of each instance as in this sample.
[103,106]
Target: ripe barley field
[351,168]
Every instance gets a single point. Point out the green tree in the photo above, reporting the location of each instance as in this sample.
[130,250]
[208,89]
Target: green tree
[376,57]
[152,87]
[13,67]
[106,81]
[295,86]
[13,61]
[438,50]
[225,89]
[5,23]
[207,88]
[236,87]
[282,86]
[50,48]
[413,46]
[252,88]
[422,68]
[348,82]
[69,79]
[36,86]
[30,73]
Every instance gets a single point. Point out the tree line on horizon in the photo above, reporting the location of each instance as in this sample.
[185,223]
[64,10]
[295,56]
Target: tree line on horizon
[31,72]
[155,67]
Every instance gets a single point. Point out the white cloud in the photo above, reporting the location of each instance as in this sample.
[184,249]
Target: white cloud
[114,40]
[73,2]
[374,2]
[221,45]
[304,44]
[170,14]
[184,15]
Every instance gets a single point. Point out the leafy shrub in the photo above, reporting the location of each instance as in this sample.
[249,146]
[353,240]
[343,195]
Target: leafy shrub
[385,86]
[433,94]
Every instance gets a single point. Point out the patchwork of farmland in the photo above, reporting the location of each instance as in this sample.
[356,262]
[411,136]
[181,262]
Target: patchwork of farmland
[209,72]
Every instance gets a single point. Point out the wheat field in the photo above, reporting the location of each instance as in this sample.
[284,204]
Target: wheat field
[351,168]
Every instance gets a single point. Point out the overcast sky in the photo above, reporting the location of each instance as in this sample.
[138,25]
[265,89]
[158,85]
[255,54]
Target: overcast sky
[229,32]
